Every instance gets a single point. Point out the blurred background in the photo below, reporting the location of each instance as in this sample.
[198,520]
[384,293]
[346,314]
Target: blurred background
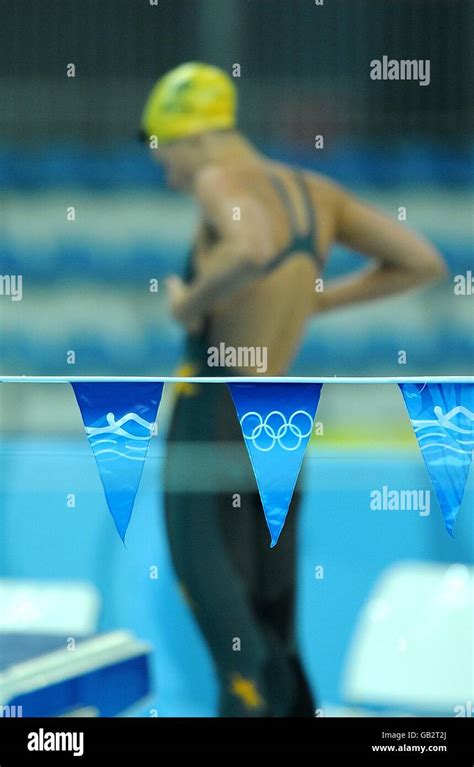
[71,142]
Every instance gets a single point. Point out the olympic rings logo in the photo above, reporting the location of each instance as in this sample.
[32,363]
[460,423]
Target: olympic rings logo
[264,431]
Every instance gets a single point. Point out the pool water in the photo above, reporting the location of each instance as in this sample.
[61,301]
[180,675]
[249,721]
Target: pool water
[54,524]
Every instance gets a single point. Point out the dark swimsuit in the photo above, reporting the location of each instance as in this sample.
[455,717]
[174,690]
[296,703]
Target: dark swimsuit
[197,345]
[241,592]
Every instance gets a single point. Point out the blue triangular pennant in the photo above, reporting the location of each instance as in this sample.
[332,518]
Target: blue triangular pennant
[119,418]
[277,422]
[442,416]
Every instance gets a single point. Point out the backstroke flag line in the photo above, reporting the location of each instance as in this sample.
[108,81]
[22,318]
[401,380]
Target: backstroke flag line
[442,416]
[119,420]
[277,421]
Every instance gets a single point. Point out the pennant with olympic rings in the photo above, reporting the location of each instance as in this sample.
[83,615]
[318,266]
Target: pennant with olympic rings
[277,422]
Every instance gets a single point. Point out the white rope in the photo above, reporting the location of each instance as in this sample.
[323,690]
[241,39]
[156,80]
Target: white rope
[236,379]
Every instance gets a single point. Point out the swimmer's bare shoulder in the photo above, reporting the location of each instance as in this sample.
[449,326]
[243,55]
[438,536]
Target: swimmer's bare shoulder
[229,203]
[244,194]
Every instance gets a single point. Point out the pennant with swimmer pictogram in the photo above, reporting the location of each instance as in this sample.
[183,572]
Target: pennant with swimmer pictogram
[442,416]
[119,420]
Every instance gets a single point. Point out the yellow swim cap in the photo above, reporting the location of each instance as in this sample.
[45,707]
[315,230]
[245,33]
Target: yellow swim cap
[191,99]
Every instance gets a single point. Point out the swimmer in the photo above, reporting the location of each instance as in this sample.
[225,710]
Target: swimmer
[266,231]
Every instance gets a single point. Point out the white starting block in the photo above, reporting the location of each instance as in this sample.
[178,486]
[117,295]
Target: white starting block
[52,663]
[413,648]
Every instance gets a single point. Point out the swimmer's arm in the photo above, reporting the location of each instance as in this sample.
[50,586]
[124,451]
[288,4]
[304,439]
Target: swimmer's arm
[233,269]
[403,259]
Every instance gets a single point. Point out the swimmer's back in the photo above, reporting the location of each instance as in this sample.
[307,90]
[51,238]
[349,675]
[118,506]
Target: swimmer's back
[293,207]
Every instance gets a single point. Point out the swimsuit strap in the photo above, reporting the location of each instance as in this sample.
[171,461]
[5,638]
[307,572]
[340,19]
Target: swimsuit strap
[309,210]
[284,195]
[298,242]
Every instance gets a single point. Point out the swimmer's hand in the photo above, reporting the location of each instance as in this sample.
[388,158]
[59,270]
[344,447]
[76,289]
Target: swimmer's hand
[177,295]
